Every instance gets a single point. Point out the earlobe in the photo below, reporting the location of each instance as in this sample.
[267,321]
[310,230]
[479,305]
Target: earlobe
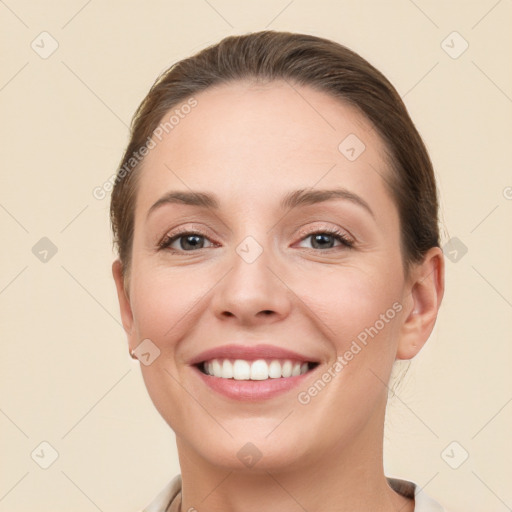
[122,295]
[426,291]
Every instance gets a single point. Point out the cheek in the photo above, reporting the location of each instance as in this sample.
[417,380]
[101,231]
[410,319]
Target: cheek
[162,302]
[359,314]
[352,304]
[165,305]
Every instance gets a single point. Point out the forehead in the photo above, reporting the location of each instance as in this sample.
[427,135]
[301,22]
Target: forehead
[266,138]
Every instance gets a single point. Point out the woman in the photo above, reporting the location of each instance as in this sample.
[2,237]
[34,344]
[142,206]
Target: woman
[275,215]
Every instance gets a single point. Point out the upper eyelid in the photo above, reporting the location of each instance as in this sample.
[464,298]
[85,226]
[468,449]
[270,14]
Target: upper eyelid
[302,232]
[312,230]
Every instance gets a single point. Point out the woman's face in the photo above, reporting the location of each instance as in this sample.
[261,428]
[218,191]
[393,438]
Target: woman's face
[262,277]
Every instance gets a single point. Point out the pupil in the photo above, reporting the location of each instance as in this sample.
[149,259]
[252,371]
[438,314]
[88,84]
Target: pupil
[195,241]
[322,239]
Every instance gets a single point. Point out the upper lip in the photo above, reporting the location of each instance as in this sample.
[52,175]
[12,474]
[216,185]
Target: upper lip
[250,353]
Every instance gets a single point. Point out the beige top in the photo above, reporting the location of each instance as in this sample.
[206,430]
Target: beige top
[169,499]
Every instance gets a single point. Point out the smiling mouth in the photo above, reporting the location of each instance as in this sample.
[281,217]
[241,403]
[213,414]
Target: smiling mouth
[255,370]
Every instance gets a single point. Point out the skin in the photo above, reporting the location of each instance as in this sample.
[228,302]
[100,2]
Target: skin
[250,145]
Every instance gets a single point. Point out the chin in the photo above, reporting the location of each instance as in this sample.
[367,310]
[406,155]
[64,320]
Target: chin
[249,450]
[246,456]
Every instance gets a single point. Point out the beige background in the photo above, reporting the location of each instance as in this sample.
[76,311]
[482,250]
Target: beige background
[65,375]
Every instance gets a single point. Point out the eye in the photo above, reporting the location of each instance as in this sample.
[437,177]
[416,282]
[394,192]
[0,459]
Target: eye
[326,238]
[187,241]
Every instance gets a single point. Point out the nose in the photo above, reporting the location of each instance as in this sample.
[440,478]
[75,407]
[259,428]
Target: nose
[253,293]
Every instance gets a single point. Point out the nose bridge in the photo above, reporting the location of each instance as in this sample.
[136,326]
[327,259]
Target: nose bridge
[251,288]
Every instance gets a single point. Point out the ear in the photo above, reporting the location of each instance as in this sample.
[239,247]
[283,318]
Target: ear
[425,290]
[123,297]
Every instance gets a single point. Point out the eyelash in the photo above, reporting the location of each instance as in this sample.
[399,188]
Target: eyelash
[339,235]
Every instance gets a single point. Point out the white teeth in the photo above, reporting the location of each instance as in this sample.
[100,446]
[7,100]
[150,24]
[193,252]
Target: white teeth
[259,369]
[241,370]
[286,369]
[227,369]
[216,367]
[274,369]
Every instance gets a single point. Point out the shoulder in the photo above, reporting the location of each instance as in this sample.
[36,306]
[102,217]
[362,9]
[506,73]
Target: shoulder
[164,498]
[423,502]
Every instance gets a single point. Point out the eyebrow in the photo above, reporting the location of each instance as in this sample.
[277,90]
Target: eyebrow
[294,199]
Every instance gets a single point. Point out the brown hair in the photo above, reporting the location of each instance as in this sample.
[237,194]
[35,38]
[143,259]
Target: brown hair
[304,60]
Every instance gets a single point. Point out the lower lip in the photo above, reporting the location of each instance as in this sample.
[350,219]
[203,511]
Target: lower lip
[251,390]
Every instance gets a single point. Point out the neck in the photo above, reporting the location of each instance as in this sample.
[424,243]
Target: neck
[347,477]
